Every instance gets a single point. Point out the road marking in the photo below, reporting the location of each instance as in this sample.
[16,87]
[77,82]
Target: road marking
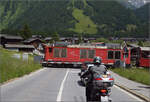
[74,71]
[61,87]
[139,100]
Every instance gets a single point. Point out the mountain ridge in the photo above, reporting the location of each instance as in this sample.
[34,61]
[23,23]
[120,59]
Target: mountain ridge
[133,4]
[101,18]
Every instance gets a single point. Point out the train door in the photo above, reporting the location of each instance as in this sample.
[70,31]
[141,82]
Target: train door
[145,59]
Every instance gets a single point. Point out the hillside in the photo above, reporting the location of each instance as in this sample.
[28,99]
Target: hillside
[67,17]
[133,4]
[40,15]
[143,12]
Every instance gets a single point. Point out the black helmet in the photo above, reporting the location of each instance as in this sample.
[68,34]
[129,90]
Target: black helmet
[97,60]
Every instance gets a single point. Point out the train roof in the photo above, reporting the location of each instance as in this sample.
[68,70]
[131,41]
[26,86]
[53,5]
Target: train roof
[87,45]
[103,46]
[145,48]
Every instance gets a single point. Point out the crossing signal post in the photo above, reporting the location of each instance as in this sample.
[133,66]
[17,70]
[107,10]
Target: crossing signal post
[125,54]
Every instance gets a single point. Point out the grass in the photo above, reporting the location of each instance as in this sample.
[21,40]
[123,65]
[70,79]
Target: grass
[108,41]
[135,74]
[145,43]
[85,3]
[12,67]
[84,24]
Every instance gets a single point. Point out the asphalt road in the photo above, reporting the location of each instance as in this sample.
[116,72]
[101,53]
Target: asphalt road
[51,85]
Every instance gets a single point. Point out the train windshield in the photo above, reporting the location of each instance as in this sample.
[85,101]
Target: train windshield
[146,54]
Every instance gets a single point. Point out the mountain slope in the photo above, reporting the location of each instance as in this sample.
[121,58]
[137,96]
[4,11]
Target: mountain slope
[143,12]
[112,17]
[40,15]
[84,24]
[68,17]
[134,4]
[10,11]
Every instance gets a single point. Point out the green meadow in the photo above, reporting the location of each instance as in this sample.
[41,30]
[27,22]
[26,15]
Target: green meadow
[11,67]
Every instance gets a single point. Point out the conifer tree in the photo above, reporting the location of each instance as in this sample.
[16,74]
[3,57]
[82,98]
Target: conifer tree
[25,32]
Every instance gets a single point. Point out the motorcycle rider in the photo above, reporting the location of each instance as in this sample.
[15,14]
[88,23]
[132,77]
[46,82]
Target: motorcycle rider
[100,69]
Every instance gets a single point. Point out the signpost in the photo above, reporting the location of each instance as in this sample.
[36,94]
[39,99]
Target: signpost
[125,51]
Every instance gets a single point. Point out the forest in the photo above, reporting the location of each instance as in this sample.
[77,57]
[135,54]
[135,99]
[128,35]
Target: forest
[70,17]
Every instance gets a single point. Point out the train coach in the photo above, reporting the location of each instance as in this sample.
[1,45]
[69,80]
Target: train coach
[140,56]
[76,55]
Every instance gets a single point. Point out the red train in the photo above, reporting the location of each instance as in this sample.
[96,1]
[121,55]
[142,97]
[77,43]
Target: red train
[141,56]
[61,54]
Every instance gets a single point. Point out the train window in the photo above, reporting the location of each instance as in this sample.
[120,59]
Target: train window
[83,53]
[50,50]
[145,54]
[56,52]
[125,55]
[117,55]
[64,52]
[91,53]
[110,55]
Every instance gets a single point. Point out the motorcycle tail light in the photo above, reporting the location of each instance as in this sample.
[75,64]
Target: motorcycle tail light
[111,79]
[103,91]
[98,79]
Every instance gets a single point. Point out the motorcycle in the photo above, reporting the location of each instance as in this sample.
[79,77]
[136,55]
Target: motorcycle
[102,88]
[83,70]
[103,84]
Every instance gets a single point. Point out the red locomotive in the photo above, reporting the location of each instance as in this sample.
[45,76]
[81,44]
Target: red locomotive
[61,54]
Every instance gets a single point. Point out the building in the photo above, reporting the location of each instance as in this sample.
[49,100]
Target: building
[129,39]
[9,39]
[33,41]
[19,47]
[47,39]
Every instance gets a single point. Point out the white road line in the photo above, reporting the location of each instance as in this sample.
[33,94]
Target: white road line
[61,87]
[139,100]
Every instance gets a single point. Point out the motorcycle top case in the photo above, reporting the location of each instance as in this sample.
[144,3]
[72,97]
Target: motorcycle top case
[101,81]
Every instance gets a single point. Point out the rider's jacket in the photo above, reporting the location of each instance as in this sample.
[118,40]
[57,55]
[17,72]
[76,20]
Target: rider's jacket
[93,71]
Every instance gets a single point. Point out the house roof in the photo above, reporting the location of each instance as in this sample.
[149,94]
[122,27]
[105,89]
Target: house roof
[18,46]
[126,38]
[91,38]
[63,38]
[48,38]
[75,38]
[11,36]
[36,36]
[31,40]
